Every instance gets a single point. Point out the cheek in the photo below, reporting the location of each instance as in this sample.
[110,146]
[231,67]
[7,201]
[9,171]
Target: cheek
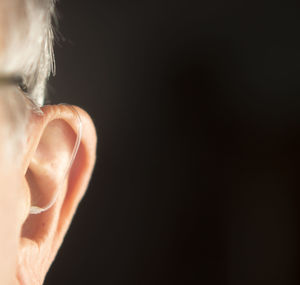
[11,190]
[9,225]
[10,201]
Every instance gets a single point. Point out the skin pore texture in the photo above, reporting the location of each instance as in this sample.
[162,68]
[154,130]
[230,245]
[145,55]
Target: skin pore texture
[35,149]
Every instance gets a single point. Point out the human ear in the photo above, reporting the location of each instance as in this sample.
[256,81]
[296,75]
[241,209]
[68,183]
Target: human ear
[48,153]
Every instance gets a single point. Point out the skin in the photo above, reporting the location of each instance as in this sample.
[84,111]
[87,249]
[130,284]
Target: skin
[28,167]
[29,243]
[9,210]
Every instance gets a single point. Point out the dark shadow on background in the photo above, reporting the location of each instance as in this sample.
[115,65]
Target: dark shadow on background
[197,108]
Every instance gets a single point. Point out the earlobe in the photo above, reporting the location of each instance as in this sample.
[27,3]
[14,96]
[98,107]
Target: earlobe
[50,151]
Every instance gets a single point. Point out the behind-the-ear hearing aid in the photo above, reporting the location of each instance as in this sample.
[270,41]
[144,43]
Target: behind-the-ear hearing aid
[36,209]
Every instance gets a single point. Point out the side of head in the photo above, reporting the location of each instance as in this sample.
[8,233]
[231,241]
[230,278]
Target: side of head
[36,149]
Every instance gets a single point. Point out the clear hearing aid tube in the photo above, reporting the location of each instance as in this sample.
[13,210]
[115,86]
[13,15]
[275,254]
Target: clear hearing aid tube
[16,80]
[35,209]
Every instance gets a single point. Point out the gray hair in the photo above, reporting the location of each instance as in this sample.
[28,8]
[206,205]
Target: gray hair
[26,43]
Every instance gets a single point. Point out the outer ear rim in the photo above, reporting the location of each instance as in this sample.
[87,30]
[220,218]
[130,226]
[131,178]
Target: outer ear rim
[63,210]
[37,125]
[67,210]
[87,145]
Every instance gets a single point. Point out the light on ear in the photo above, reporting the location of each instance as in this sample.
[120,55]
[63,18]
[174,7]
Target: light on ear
[50,164]
[49,151]
[50,161]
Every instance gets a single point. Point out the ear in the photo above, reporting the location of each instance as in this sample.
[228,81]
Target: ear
[49,149]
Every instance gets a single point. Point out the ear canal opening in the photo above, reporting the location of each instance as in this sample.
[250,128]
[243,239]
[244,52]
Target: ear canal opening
[36,208]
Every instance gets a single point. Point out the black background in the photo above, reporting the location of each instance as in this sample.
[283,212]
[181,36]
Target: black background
[197,108]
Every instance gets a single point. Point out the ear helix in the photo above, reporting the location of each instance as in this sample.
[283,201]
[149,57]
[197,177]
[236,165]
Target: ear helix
[36,209]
